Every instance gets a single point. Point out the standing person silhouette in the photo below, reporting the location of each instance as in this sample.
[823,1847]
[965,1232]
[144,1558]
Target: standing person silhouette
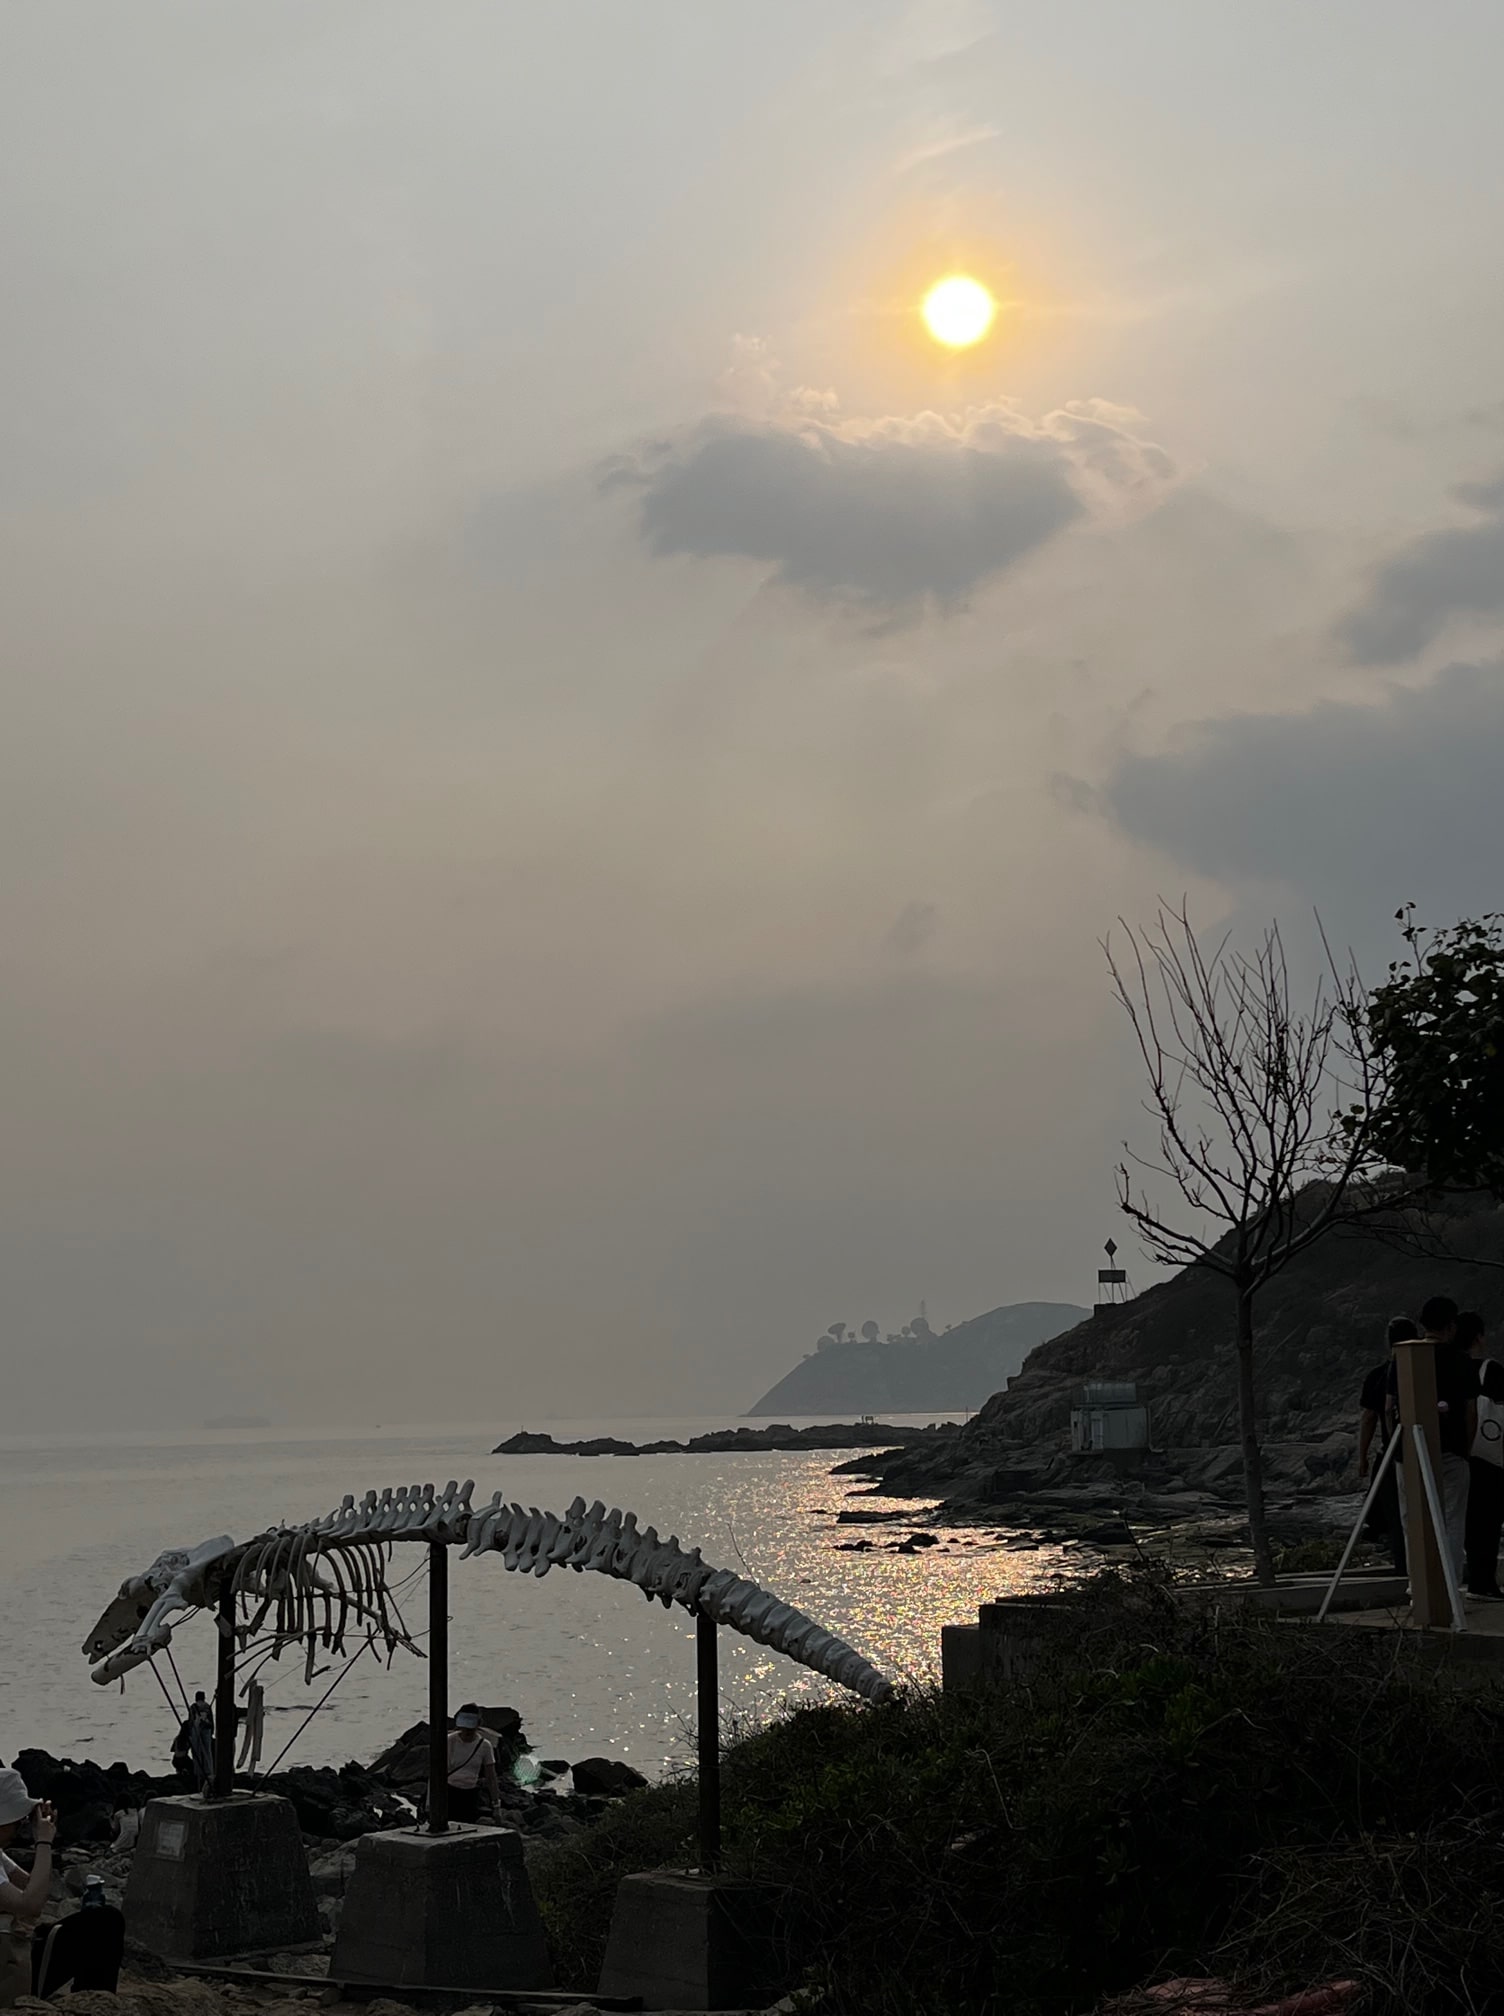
[471,1759]
[1376,1424]
[1457,1386]
[1485,1494]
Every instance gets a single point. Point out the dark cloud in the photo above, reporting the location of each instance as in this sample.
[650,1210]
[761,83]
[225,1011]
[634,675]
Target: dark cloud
[888,512]
[1368,805]
[1439,576]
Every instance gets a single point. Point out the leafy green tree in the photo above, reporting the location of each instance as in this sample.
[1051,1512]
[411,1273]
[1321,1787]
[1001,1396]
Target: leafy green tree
[1437,1026]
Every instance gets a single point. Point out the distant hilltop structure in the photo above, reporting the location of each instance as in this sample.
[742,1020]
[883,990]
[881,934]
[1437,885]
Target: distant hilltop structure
[916,1331]
[916,1369]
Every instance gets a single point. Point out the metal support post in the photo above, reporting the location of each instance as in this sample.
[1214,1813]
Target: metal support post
[709,1703]
[438,1687]
[224,1693]
[1381,1471]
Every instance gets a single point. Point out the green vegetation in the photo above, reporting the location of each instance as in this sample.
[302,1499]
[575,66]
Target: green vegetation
[1175,1793]
[1437,1024]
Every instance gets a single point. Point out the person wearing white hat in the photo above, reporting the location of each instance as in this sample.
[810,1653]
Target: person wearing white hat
[472,1760]
[21,1896]
[84,1949]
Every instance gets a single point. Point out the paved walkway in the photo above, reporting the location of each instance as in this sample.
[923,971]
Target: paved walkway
[1483,1640]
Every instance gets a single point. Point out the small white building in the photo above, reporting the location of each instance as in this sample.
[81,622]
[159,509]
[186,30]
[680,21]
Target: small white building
[1108,1414]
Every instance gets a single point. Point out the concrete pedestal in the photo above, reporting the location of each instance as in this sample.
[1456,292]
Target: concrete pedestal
[216,1877]
[686,1941]
[441,1910]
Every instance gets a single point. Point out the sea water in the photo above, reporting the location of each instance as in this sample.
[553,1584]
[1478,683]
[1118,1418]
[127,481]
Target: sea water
[590,1665]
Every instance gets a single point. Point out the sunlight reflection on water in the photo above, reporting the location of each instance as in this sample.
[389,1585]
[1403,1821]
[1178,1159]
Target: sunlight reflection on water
[590,1665]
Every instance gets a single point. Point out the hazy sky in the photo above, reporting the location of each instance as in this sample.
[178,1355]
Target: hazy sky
[563,767]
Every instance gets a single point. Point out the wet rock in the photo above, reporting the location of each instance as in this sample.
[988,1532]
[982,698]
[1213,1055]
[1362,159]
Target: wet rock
[606,1778]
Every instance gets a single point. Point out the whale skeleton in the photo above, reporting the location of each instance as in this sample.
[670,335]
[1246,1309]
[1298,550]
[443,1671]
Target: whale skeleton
[308,1586]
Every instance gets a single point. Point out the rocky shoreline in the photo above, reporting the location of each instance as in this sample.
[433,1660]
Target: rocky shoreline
[546,1799]
[982,1464]
[1188,1501]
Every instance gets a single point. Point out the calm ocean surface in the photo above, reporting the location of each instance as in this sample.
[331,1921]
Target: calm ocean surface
[589,1664]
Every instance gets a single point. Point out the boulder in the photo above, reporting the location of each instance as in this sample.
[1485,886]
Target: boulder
[606,1778]
[335,1805]
[329,1872]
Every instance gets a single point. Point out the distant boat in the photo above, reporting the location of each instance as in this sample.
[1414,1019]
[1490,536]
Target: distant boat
[238,1421]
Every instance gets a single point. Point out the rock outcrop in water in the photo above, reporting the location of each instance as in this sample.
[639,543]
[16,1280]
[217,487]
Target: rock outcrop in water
[725,1441]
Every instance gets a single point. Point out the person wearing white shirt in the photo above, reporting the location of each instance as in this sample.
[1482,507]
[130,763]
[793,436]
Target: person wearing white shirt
[22,1896]
[471,1759]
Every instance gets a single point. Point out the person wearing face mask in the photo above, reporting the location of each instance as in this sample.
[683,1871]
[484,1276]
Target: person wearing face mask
[84,1949]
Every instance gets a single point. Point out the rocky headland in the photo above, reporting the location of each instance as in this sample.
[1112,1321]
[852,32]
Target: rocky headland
[1320,1328]
[918,1369]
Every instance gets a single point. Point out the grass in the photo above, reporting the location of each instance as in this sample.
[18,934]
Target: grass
[1174,1793]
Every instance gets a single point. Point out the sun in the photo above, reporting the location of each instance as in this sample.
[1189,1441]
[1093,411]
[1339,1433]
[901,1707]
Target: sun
[958,311]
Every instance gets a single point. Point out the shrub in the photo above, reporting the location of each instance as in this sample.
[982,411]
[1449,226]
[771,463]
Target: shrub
[574,1881]
[1157,1799]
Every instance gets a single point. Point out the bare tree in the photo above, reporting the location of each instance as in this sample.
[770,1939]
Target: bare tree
[1263,1111]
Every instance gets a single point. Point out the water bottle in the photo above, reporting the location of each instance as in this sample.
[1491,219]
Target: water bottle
[93,1897]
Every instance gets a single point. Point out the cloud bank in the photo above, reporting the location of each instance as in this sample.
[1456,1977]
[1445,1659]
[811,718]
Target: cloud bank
[892,513]
[1456,572]
[1369,804]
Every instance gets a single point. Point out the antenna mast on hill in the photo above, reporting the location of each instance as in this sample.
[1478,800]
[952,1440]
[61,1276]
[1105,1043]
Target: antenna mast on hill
[1113,1288]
